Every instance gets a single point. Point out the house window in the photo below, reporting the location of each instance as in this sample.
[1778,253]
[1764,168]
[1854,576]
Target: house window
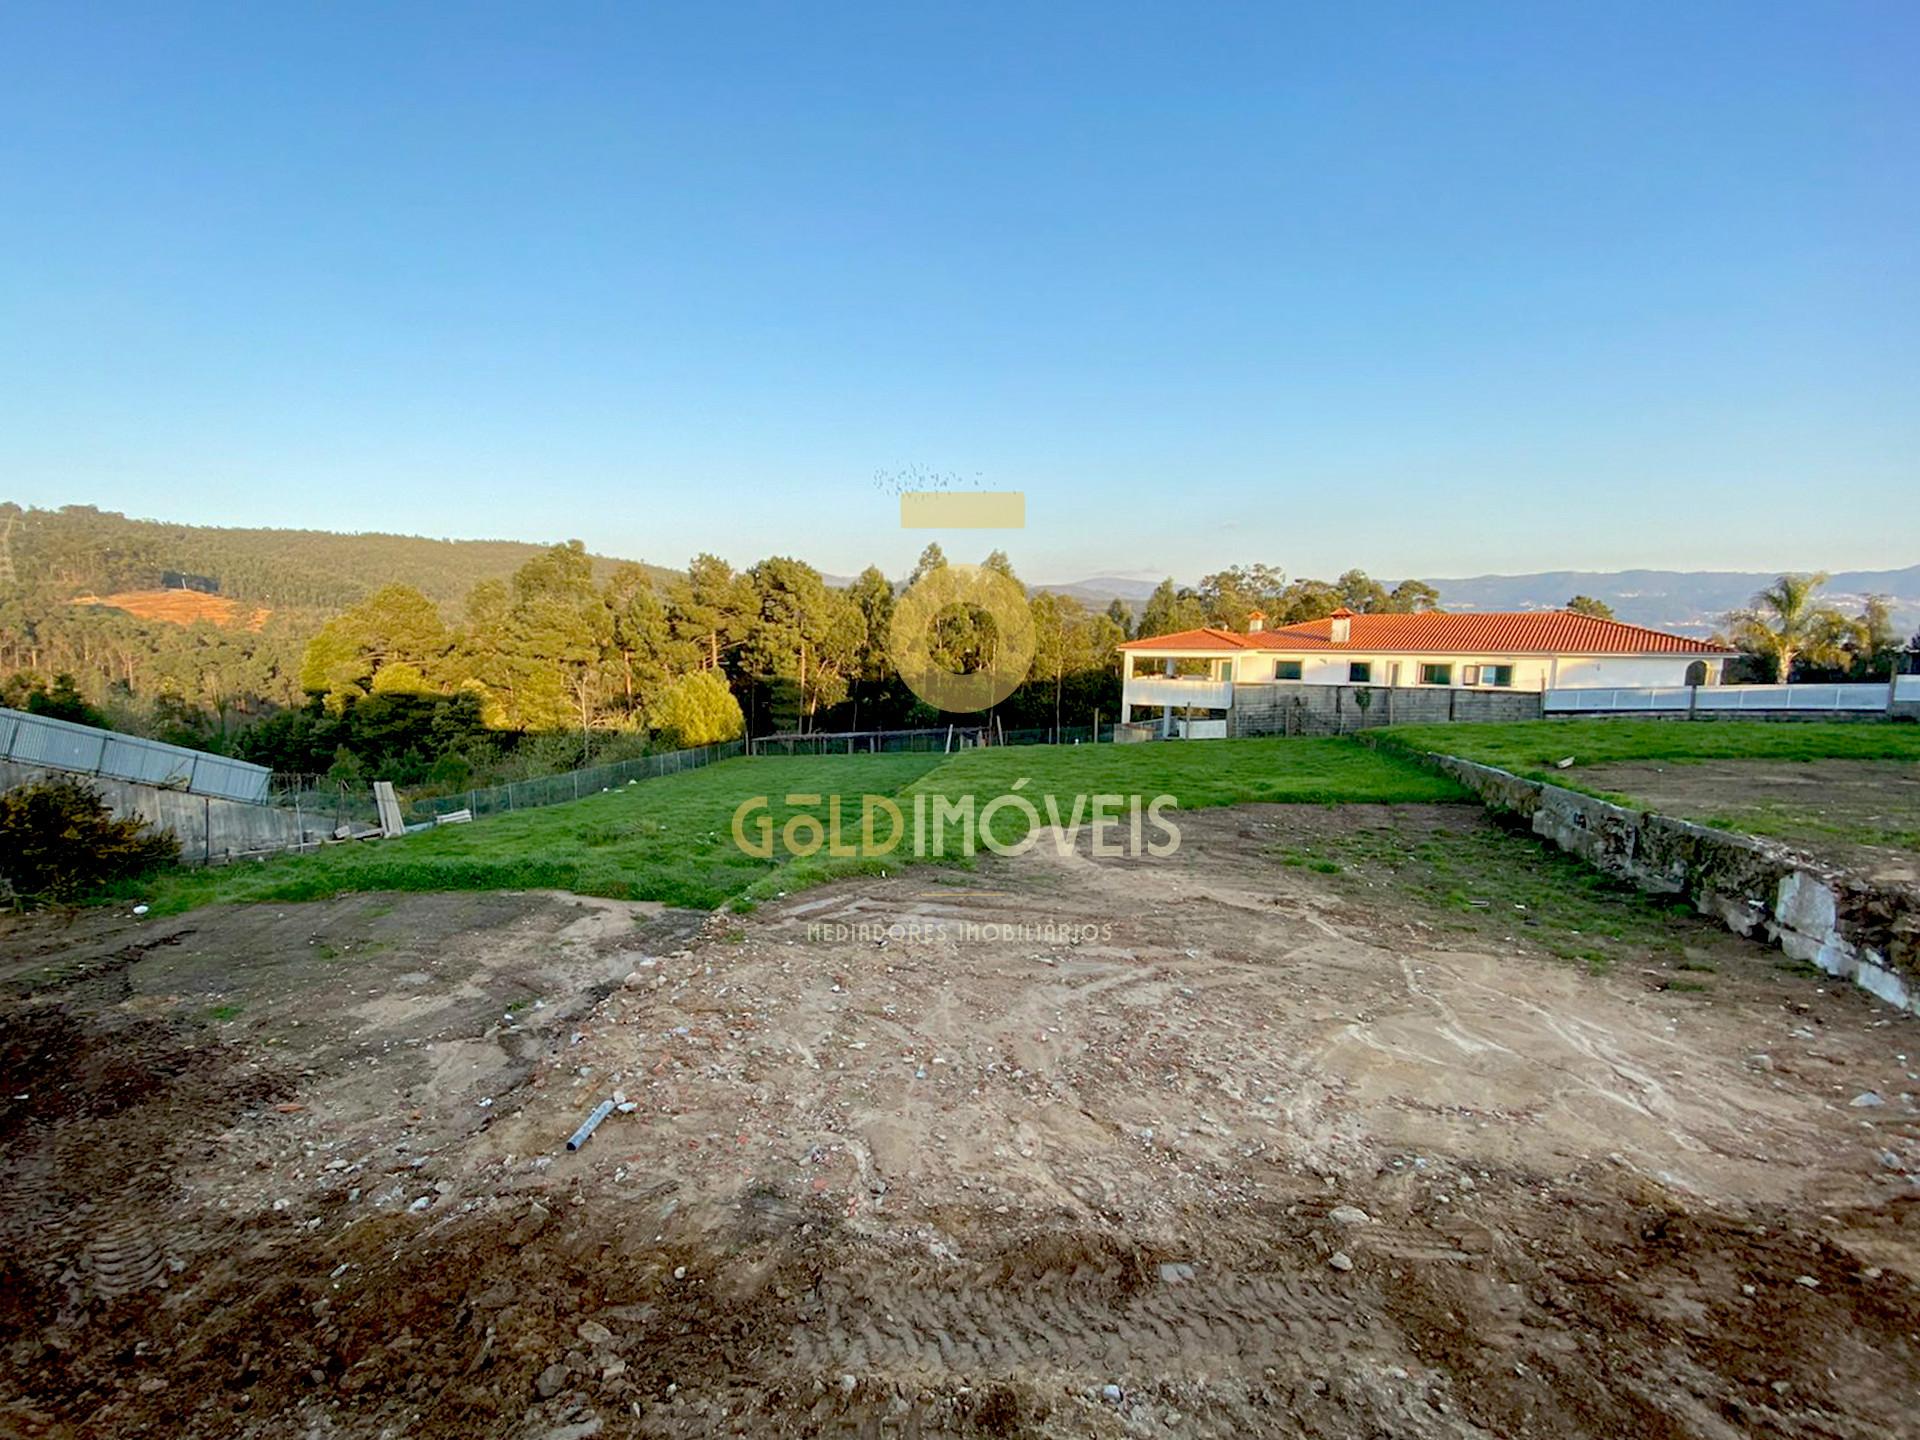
[1360,672]
[1496,675]
[1286,669]
[1436,674]
[1470,675]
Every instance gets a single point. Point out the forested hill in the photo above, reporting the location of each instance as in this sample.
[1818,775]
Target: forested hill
[78,550]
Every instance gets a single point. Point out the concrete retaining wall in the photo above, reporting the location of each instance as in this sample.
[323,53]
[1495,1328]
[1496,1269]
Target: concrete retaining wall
[1288,708]
[210,830]
[1859,930]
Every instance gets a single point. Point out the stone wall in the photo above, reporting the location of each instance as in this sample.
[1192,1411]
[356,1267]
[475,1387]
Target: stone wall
[209,829]
[1851,927]
[1274,708]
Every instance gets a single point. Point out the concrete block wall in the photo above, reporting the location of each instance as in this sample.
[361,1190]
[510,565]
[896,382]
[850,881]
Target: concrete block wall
[1294,709]
[210,830]
[1851,927]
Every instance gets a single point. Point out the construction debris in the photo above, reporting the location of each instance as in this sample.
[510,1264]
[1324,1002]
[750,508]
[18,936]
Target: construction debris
[590,1124]
[391,825]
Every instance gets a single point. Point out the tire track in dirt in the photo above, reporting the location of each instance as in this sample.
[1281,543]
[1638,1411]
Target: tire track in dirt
[93,1204]
[1215,1326]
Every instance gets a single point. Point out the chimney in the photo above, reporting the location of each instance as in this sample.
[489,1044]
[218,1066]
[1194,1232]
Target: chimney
[1256,621]
[1340,626]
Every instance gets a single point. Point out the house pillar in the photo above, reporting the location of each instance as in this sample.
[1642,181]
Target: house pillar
[1166,711]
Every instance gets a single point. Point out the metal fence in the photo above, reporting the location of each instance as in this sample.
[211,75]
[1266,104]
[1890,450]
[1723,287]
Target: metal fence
[62,745]
[570,785]
[935,740]
[1724,699]
[324,802]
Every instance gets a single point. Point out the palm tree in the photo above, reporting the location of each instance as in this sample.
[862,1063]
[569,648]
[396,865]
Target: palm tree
[1786,622]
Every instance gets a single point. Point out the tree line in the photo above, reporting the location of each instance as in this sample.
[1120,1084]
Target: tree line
[567,659]
[1226,598]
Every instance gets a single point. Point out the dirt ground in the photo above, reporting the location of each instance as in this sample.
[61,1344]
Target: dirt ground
[1864,814]
[1277,1135]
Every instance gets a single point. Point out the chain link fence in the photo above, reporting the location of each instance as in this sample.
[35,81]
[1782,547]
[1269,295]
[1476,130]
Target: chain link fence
[327,805]
[569,785]
[323,804]
[940,740]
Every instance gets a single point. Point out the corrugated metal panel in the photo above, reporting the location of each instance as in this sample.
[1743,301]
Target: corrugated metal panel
[151,763]
[235,779]
[62,745]
[38,740]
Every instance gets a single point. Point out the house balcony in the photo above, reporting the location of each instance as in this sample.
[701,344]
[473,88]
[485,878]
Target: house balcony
[1178,691]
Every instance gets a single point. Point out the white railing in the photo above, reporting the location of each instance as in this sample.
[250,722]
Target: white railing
[1722,699]
[1179,690]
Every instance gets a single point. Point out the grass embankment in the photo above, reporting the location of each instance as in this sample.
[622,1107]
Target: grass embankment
[1488,885]
[1818,784]
[1534,747]
[671,839]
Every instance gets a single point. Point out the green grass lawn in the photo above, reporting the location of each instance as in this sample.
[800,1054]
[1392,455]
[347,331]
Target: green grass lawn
[671,839]
[1533,747]
[1793,824]
[1198,774]
[668,839]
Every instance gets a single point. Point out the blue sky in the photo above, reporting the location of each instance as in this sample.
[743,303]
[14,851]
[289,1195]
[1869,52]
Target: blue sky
[1431,289]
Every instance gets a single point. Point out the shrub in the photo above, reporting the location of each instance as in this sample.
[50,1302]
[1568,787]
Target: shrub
[59,842]
[698,709]
[63,702]
[450,772]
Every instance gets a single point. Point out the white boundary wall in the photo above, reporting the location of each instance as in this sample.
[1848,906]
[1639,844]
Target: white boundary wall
[1731,699]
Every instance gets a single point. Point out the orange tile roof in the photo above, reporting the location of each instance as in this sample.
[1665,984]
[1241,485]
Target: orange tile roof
[1435,632]
[1207,638]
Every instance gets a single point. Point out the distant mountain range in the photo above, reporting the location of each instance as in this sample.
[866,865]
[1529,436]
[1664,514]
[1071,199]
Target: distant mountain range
[1102,590]
[1690,602]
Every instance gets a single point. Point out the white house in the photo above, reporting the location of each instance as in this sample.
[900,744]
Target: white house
[1528,650]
